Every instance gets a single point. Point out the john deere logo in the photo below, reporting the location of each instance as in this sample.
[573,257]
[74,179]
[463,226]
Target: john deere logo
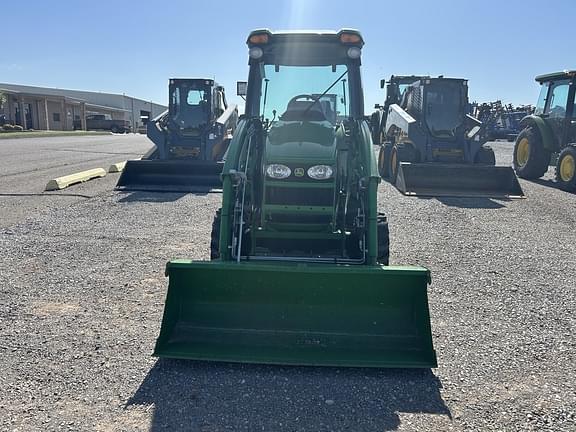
[299,172]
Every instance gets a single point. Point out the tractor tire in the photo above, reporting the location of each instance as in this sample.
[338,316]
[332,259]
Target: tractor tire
[401,152]
[383,240]
[485,156]
[375,127]
[215,236]
[566,169]
[531,159]
[383,157]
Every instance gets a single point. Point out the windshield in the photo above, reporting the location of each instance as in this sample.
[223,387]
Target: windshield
[305,93]
[444,111]
[189,106]
[542,99]
[187,95]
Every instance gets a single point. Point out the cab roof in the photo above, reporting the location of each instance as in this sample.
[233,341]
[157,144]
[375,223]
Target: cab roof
[305,34]
[556,75]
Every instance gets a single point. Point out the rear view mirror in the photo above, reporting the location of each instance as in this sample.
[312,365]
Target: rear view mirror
[241,88]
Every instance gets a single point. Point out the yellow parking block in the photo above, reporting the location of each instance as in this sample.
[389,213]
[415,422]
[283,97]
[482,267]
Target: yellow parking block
[117,167]
[65,181]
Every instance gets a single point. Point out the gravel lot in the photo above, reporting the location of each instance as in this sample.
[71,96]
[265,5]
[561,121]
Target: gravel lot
[83,292]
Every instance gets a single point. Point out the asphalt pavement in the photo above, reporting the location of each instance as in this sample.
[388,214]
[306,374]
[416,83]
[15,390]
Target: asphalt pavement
[27,164]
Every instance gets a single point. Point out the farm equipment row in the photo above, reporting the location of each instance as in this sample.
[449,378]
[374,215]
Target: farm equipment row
[501,121]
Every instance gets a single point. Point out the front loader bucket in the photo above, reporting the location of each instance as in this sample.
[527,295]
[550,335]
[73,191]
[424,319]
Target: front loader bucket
[170,175]
[457,180]
[297,314]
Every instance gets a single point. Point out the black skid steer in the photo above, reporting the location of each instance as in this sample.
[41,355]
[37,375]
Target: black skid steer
[191,139]
[432,147]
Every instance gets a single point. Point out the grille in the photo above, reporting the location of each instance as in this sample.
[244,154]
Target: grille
[300,196]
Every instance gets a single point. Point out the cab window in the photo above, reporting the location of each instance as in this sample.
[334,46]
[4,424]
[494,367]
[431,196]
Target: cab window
[542,99]
[558,100]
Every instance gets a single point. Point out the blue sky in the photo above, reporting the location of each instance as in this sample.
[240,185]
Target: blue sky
[134,47]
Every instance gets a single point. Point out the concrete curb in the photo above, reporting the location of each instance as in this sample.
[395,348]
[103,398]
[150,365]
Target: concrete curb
[117,167]
[65,181]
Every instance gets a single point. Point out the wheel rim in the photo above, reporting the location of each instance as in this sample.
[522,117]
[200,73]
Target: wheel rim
[523,151]
[393,162]
[381,161]
[567,168]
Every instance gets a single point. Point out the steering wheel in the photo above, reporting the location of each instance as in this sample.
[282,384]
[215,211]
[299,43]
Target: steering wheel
[302,96]
[299,111]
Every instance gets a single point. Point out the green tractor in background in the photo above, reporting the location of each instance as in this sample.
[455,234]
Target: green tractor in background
[299,251]
[550,130]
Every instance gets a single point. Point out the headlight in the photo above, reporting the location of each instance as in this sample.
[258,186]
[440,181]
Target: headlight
[278,171]
[354,52]
[320,172]
[255,52]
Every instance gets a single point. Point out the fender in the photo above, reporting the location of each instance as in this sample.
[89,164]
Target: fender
[548,139]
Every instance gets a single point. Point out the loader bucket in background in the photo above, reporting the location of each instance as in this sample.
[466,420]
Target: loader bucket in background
[170,175]
[297,314]
[455,180]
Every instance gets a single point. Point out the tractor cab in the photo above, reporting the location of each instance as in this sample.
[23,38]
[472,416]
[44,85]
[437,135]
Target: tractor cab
[556,105]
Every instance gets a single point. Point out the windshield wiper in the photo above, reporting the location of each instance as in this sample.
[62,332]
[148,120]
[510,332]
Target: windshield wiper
[325,91]
[265,96]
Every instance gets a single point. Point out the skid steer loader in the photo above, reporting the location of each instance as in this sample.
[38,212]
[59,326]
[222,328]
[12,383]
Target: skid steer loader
[299,270]
[190,139]
[395,87]
[432,147]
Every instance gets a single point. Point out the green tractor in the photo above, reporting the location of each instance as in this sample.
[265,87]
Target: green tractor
[299,270]
[550,130]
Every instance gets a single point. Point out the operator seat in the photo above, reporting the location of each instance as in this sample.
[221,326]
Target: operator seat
[303,111]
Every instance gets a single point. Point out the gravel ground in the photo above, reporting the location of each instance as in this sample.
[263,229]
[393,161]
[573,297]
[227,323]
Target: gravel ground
[83,292]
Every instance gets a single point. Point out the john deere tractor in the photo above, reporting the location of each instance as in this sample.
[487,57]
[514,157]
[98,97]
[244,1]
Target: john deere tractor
[431,146]
[190,139]
[550,130]
[299,270]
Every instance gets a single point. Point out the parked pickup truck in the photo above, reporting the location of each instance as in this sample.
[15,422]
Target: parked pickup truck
[100,121]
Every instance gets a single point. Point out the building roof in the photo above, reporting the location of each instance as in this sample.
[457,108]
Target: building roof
[110,101]
[103,107]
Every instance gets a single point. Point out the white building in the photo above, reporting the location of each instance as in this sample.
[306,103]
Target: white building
[46,108]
